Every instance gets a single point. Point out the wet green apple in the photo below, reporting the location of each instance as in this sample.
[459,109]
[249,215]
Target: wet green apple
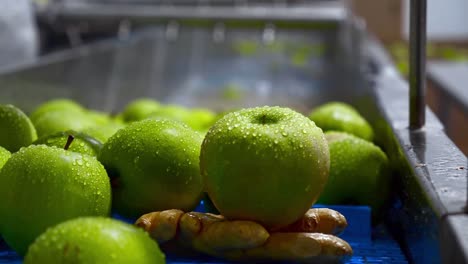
[139,109]
[200,119]
[41,186]
[16,130]
[173,112]
[338,116]
[82,143]
[94,240]
[4,156]
[62,120]
[60,104]
[103,132]
[359,172]
[99,118]
[265,164]
[154,166]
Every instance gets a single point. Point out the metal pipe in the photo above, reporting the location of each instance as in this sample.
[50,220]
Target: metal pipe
[417,75]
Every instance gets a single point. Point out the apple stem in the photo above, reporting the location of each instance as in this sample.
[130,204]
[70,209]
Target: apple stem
[69,141]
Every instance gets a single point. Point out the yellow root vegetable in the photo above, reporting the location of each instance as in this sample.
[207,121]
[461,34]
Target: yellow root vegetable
[303,241]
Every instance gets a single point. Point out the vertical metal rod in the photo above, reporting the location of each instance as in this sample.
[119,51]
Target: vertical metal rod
[417,75]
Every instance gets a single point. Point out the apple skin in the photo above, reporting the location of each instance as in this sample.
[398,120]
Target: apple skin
[103,132]
[200,119]
[62,120]
[16,130]
[359,173]
[265,164]
[338,116]
[155,165]
[173,112]
[139,109]
[99,118]
[41,186]
[82,143]
[94,240]
[60,104]
[4,156]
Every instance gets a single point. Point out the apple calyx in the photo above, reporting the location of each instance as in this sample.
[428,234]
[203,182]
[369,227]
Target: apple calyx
[69,141]
[266,119]
[263,119]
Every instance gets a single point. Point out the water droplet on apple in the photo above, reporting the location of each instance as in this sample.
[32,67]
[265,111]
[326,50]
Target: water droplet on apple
[284,134]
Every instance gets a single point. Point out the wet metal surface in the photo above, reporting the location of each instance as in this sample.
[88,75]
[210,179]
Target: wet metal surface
[432,177]
[453,236]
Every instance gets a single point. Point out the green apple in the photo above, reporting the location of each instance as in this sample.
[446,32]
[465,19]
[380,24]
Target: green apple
[61,104]
[139,109]
[82,143]
[16,130]
[100,118]
[220,115]
[337,116]
[200,119]
[4,156]
[265,164]
[62,120]
[174,112]
[118,119]
[154,166]
[94,240]
[359,172]
[41,186]
[103,132]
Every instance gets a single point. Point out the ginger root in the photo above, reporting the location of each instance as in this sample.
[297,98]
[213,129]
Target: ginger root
[305,241]
[318,220]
